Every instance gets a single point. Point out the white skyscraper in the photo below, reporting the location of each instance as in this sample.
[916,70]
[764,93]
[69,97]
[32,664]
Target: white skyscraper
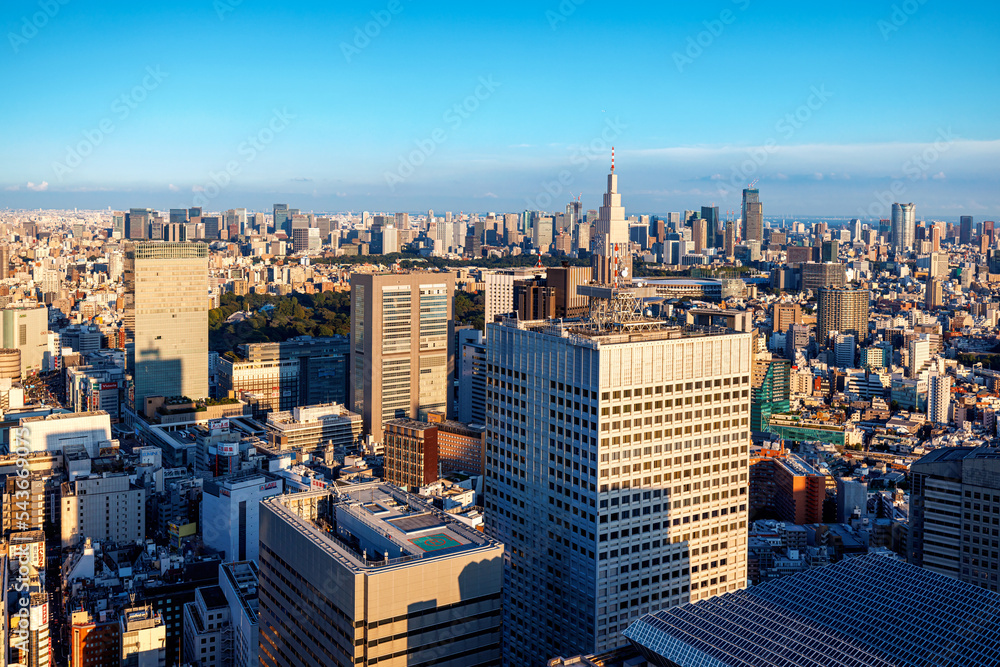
[919,355]
[500,289]
[616,476]
[612,254]
[939,398]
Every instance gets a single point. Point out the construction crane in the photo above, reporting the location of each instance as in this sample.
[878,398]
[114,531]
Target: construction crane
[753,184]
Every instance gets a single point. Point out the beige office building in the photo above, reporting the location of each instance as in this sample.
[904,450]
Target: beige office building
[105,507]
[375,576]
[401,346]
[619,455]
[166,319]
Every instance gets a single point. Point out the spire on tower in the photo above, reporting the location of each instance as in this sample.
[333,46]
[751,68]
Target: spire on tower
[612,159]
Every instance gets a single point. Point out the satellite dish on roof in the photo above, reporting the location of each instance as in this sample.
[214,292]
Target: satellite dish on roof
[624,272]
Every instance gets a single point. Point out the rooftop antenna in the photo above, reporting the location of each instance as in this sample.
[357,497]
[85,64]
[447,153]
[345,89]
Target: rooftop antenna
[612,159]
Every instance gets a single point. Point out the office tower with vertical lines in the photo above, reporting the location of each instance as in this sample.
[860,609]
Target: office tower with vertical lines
[166,319]
[617,468]
[753,217]
[904,227]
[401,346]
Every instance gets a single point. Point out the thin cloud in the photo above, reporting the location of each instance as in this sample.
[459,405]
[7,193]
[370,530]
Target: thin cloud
[39,187]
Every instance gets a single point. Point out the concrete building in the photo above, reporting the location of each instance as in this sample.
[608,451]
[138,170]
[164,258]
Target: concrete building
[59,431]
[954,497]
[402,336]
[89,388]
[375,576]
[934,295]
[271,384]
[238,581]
[471,359]
[103,507]
[616,457]
[230,511]
[166,320]
[785,315]
[844,347]
[816,276]
[499,287]
[565,280]
[313,427]
[461,448]
[208,632]
[785,484]
[26,328]
[411,453]
[842,310]
[918,356]
[939,398]
[143,638]
[322,366]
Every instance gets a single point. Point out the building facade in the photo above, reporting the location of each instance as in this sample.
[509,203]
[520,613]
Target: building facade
[842,310]
[954,498]
[166,320]
[622,460]
[402,346]
[374,575]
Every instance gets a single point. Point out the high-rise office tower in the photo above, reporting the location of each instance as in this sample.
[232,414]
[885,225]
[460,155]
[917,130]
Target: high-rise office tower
[939,268]
[784,315]
[948,535]
[904,227]
[829,250]
[371,575]
[500,289]
[711,214]
[118,225]
[753,216]
[918,356]
[281,218]
[731,233]
[166,319]
[855,230]
[178,215]
[965,230]
[137,223]
[934,296]
[612,255]
[842,310]
[939,398]
[700,232]
[616,476]
[401,346]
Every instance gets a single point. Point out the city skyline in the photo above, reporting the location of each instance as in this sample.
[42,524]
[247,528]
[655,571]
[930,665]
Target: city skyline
[501,108]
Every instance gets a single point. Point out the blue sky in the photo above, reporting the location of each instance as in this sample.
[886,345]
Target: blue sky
[836,107]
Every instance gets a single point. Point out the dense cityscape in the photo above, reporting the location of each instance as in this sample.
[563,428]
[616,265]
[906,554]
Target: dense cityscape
[571,334]
[294,438]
